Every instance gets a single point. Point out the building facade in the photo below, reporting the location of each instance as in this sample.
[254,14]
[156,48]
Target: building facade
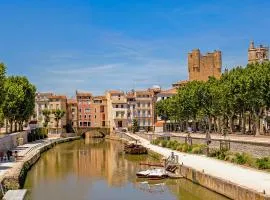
[57,102]
[84,109]
[200,67]
[257,54]
[41,103]
[72,113]
[117,110]
[98,111]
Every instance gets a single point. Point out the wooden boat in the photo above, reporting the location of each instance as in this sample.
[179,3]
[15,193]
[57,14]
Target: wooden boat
[135,149]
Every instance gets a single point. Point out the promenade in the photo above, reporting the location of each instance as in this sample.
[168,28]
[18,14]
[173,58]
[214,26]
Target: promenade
[246,177]
[23,151]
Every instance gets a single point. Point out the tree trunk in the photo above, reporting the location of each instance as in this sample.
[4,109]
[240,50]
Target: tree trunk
[57,123]
[16,126]
[243,124]
[6,126]
[209,124]
[11,125]
[231,124]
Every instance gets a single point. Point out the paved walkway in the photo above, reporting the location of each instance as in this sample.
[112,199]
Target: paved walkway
[23,150]
[247,177]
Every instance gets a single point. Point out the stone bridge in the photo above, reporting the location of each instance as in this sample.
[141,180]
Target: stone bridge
[93,132]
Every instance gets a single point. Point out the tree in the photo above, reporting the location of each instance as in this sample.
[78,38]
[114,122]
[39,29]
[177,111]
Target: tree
[240,92]
[58,115]
[46,113]
[135,126]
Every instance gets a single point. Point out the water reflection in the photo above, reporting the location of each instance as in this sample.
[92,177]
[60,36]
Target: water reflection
[97,169]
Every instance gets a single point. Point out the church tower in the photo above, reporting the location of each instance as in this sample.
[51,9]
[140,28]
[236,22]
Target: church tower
[257,54]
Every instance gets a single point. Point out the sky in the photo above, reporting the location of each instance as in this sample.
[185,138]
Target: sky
[98,45]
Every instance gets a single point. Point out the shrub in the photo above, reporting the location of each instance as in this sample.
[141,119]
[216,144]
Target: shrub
[196,150]
[164,143]
[185,148]
[243,158]
[263,163]
[179,147]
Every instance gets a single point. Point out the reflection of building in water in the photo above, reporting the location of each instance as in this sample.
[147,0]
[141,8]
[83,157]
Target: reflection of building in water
[103,160]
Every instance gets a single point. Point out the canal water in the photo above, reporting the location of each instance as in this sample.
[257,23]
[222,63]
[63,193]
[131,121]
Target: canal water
[98,170]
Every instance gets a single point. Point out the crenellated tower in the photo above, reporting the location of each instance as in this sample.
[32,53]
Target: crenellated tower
[200,67]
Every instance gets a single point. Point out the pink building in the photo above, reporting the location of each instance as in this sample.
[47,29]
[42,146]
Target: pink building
[84,108]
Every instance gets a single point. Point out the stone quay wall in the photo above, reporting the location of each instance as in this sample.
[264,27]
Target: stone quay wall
[11,141]
[256,149]
[15,177]
[226,188]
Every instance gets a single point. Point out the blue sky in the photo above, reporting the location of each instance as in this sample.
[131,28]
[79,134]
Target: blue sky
[98,45]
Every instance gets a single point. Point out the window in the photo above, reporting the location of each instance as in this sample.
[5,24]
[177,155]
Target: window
[80,110]
[103,123]
[89,116]
[72,123]
[103,117]
[122,106]
[116,106]
[87,110]
[149,112]
[95,110]
[80,123]
[85,116]
[89,123]
[102,109]
[80,116]
[95,116]
[73,109]
[85,124]
[133,106]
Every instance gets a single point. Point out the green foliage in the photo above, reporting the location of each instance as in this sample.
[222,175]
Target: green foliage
[239,91]
[58,115]
[263,163]
[164,143]
[19,100]
[135,126]
[46,113]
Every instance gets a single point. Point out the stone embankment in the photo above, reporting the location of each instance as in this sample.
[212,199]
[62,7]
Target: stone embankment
[14,178]
[232,181]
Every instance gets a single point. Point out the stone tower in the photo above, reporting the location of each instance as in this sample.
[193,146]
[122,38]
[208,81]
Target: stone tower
[200,67]
[257,54]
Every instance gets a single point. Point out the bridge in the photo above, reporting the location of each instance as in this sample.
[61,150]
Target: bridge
[93,131]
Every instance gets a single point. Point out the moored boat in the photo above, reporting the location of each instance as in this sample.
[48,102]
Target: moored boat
[153,174]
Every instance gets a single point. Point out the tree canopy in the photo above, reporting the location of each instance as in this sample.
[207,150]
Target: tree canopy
[240,92]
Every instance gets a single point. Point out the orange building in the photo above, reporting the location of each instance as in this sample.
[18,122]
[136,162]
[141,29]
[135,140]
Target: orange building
[98,111]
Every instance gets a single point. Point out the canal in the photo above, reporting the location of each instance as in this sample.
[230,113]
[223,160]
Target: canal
[98,170]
